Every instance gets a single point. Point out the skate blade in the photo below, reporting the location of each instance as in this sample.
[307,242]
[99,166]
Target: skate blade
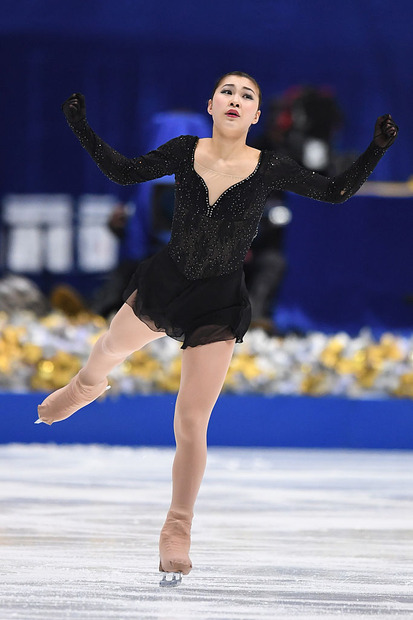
[170,580]
[39,421]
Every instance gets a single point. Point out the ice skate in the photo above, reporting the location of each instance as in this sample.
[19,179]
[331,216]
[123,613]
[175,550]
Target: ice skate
[174,544]
[169,580]
[67,400]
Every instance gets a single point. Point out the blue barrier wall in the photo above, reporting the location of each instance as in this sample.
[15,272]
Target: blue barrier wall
[236,421]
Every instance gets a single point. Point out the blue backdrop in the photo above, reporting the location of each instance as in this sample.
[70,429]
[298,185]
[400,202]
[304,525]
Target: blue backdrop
[133,59]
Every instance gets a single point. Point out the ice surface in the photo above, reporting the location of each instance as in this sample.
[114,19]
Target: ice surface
[277,534]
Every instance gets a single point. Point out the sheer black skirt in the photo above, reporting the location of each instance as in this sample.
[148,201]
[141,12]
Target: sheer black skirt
[193,312]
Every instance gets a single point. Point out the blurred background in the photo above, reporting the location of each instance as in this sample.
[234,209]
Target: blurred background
[331,285]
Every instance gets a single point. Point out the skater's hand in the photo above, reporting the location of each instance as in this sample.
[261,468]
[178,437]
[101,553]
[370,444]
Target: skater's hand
[74,108]
[385,131]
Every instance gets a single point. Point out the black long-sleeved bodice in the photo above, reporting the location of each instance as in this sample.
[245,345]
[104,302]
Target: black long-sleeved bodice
[212,240]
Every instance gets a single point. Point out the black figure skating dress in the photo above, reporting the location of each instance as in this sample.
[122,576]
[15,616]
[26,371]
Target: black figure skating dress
[194,288]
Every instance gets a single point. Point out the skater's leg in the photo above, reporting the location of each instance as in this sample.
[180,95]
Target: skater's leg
[203,373]
[126,334]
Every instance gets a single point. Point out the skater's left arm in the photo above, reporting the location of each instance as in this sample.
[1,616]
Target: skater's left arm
[341,187]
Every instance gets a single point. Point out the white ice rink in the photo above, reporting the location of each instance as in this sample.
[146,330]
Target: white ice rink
[277,534]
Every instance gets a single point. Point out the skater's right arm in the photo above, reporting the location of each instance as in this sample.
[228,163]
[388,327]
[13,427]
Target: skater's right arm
[165,160]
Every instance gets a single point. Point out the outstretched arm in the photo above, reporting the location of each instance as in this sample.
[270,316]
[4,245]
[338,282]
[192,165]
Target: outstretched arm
[338,189]
[123,170]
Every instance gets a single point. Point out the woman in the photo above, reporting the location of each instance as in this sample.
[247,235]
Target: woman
[193,290]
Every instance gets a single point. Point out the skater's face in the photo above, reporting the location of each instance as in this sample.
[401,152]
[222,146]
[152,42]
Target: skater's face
[235,103]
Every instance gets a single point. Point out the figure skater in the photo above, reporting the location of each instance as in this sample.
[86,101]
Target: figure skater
[193,290]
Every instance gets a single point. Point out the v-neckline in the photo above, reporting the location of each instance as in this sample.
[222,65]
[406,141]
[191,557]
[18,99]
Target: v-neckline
[209,206]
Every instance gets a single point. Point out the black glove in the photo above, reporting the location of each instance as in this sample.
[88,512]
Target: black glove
[385,131]
[74,108]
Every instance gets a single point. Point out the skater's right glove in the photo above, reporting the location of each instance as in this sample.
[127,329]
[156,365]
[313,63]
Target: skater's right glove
[385,131]
[74,108]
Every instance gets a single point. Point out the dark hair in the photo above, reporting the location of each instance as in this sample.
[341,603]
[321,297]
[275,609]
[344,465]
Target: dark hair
[239,74]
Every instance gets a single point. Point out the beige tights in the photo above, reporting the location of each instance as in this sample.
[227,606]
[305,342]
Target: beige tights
[202,375]
[125,335]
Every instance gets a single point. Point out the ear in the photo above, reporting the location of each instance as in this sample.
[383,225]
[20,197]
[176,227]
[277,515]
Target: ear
[209,106]
[256,117]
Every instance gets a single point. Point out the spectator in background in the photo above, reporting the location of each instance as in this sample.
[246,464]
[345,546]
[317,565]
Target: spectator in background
[301,124]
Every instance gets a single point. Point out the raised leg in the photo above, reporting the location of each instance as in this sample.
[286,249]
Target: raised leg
[203,373]
[125,335]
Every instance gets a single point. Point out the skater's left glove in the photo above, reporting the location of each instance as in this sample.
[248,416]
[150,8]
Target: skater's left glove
[385,131]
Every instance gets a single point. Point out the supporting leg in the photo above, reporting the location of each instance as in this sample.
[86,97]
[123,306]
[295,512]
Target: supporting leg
[203,373]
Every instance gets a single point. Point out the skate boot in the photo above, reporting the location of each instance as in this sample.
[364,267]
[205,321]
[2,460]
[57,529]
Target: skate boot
[67,400]
[174,544]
